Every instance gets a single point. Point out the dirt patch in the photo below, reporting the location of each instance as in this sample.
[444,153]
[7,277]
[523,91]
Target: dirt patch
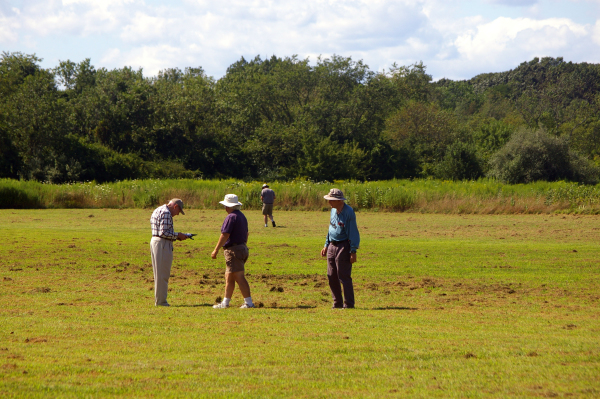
[35,340]
[284,245]
[470,356]
[43,290]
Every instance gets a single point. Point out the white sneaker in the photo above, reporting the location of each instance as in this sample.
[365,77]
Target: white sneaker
[246,306]
[266,225]
[220,306]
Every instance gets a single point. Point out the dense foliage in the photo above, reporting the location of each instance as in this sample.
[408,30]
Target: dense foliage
[283,118]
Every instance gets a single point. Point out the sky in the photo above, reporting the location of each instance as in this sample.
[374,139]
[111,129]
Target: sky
[454,39]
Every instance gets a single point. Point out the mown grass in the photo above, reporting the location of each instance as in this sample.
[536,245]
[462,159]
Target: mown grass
[484,196]
[447,306]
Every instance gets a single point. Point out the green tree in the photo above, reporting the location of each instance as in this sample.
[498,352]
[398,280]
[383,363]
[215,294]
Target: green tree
[424,129]
[460,162]
[536,155]
[14,69]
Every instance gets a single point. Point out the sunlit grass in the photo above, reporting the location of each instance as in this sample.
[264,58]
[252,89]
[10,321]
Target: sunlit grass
[447,306]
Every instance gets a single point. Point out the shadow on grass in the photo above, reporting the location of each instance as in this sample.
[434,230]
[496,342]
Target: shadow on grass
[193,306]
[257,307]
[394,308]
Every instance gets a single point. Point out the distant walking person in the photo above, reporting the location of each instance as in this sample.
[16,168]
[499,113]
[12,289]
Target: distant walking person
[161,247]
[341,244]
[233,239]
[267,196]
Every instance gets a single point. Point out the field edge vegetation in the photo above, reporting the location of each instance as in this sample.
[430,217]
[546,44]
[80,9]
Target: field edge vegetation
[484,196]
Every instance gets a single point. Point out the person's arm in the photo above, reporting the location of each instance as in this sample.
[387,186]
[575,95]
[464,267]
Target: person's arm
[324,249]
[222,240]
[353,236]
[181,237]
[165,227]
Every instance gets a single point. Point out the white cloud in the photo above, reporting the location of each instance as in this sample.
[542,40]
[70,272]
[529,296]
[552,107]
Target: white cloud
[596,33]
[493,39]
[153,58]
[111,56]
[514,3]
[450,38]
[8,31]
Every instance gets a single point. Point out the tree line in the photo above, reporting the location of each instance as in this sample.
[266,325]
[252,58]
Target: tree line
[283,118]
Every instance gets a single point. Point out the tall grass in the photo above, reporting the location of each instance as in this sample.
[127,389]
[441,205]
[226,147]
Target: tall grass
[428,196]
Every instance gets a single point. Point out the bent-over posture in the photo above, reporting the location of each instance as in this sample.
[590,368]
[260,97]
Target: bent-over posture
[161,247]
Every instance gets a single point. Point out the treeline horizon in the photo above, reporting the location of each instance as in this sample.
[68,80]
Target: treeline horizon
[282,118]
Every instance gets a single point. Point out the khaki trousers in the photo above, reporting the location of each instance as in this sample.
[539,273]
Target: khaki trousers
[161,251]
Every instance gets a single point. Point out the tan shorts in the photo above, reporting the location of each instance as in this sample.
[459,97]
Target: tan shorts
[235,258]
[268,209]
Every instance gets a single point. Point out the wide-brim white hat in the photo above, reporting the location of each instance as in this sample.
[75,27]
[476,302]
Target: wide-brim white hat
[230,200]
[335,194]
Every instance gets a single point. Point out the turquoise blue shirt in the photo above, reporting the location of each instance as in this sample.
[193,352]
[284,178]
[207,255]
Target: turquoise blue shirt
[342,227]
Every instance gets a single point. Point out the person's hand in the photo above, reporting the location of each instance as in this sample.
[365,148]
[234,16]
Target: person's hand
[181,237]
[324,251]
[353,257]
[214,254]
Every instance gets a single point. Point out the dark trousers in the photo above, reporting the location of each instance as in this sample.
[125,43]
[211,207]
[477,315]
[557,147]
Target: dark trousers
[339,269]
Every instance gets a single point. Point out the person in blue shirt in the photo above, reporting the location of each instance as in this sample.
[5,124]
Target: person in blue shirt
[341,244]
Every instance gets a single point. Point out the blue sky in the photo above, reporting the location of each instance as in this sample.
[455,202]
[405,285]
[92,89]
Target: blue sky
[454,39]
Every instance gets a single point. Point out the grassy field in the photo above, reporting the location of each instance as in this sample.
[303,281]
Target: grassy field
[448,306]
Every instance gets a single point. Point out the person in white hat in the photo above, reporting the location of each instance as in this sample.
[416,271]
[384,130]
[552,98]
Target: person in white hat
[341,243]
[161,247]
[233,239]
[267,196]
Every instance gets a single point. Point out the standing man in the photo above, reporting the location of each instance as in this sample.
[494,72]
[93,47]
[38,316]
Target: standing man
[267,196]
[233,239]
[341,244]
[161,247]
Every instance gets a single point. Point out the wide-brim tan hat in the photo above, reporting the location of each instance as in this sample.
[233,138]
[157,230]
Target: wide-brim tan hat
[335,194]
[230,200]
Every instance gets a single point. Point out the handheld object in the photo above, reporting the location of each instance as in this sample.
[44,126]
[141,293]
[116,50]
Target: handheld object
[190,235]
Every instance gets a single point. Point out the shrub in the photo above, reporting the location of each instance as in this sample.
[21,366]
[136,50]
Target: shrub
[460,163]
[535,155]
[19,197]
